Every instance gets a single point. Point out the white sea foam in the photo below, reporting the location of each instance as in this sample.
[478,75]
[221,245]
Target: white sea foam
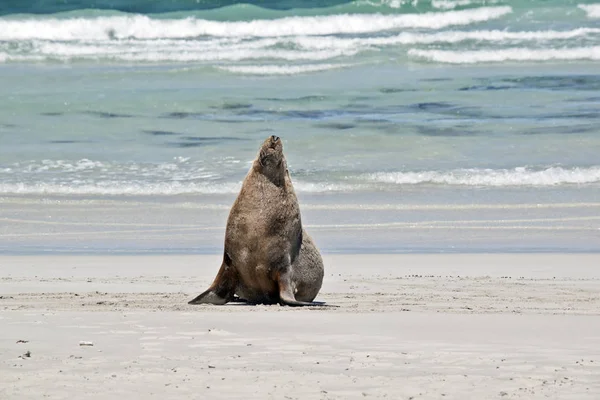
[142,27]
[511,54]
[521,176]
[84,171]
[407,38]
[180,176]
[449,4]
[592,10]
[64,52]
[295,48]
[323,187]
[281,69]
[439,4]
[140,188]
[87,177]
[386,3]
[62,166]
[118,188]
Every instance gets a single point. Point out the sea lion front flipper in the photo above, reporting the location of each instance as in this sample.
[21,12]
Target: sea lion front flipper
[286,296]
[223,287]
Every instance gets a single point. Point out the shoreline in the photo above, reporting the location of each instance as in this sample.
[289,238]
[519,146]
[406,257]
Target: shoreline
[351,224]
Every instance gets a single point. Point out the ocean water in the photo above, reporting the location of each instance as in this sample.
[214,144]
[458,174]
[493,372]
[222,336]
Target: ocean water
[409,126]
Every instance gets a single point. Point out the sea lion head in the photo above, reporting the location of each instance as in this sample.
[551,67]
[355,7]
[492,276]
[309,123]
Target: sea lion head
[271,160]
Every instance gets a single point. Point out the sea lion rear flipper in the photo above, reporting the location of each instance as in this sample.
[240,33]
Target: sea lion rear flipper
[223,287]
[209,297]
[286,296]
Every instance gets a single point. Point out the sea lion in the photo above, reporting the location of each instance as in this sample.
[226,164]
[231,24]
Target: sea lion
[268,257]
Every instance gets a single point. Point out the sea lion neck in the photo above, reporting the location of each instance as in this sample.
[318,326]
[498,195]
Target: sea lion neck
[276,174]
[270,161]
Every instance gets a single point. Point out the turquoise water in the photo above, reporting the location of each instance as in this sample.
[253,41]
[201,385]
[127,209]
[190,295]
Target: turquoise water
[408,126]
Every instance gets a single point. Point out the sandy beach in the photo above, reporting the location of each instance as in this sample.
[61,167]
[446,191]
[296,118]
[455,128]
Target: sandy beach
[473,326]
[443,153]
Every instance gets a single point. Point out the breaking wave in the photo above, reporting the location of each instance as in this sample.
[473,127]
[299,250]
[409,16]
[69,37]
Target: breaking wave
[592,10]
[521,176]
[182,176]
[143,27]
[511,54]
[281,69]
[253,43]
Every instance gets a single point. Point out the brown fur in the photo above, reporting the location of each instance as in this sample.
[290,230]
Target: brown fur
[268,257]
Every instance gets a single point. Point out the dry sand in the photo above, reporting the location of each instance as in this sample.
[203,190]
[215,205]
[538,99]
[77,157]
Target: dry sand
[407,327]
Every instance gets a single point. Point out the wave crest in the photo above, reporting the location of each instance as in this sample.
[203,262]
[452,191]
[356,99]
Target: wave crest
[182,176]
[520,176]
[592,10]
[511,54]
[142,27]
[281,69]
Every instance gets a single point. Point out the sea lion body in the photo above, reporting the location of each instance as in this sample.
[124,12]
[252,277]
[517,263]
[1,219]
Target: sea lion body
[268,257]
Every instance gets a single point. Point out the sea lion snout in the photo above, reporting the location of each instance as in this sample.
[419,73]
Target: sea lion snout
[274,142]
[271,144]
[271,155]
